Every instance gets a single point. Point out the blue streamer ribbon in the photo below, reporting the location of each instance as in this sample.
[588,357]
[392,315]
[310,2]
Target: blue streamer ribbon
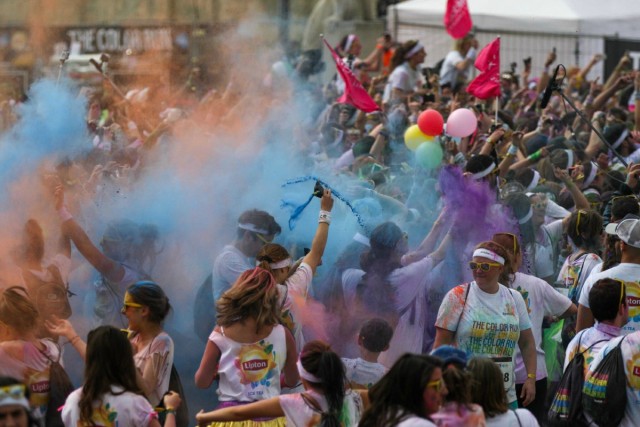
[297,210]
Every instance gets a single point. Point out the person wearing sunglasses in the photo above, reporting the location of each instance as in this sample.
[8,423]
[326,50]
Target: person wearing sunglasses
[486,391]
[542,300]
[14,404]
[408,395]
[486,318]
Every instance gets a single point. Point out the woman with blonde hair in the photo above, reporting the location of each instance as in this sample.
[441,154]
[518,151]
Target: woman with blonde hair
[23,355]
[248,349]
[294,280]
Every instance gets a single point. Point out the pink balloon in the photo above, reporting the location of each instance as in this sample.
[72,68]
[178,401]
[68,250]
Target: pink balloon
[461,123]
[430,122]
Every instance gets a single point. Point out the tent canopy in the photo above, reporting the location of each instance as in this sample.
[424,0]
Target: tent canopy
[615,18]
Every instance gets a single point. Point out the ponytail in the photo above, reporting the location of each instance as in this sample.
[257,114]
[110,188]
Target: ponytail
[318,359]
[401,51]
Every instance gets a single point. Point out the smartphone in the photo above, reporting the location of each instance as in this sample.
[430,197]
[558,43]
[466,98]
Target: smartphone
[554,50]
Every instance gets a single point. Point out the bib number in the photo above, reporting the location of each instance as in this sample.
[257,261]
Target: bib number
[506,367]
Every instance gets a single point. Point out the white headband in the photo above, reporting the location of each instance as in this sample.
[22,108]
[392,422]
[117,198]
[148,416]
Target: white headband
[592,175]
[350,39]
[306,375]
[620,139]
[534,181]
[527,217]
[570,158]
[486,253]
[362,239]
[282,264]
[252,227]
[417,48]
[591,191]
[14,395]
[482,174]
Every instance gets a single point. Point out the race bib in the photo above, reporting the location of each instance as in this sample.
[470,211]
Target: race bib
[506,367]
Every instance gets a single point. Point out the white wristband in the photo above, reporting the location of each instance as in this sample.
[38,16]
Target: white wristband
[324,216]
[513,150]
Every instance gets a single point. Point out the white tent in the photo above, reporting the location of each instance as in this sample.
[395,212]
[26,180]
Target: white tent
[576,28]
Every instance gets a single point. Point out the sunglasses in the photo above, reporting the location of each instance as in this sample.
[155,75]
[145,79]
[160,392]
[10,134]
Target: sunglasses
[130,304]
[514,239]
[580,213]
[436,385]
[262,238]
[623,288]
[14,391]
[484,266]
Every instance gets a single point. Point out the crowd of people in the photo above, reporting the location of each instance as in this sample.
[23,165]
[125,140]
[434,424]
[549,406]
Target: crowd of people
[464,295]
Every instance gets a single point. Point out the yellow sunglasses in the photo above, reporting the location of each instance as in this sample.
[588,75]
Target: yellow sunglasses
[484,266]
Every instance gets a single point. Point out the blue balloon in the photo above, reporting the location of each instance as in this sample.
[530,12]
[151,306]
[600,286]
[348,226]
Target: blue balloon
[429,155]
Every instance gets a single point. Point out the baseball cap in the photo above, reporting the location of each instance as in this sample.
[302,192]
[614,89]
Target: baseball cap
[449,354]
[628,230]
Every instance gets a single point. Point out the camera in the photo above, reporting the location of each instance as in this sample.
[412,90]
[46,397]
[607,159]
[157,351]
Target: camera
[318,190]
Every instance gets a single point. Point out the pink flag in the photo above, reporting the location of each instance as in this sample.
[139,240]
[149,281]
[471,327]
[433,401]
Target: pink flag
[487,83]
[457,19]
[354,93]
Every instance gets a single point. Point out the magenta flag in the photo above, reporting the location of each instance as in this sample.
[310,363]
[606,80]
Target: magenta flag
[457,19]
[354,93]
[487,83]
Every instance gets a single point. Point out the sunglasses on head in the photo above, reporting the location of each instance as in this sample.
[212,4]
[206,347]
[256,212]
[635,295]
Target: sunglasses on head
[484,266]
[13,391]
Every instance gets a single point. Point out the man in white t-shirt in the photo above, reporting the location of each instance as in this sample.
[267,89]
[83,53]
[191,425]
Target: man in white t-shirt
[374,338]
[255,228]
[628,231]
[458,62]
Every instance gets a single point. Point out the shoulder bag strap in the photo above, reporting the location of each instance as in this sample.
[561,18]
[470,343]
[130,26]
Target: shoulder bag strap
[517,417]
[466,296]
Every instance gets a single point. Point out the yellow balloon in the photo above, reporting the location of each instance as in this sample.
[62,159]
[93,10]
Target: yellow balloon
[413,137]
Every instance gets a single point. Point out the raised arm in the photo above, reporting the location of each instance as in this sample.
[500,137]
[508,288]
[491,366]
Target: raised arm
[109,268]
[314,257]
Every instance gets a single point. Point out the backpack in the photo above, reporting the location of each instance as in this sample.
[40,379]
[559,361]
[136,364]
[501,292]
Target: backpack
[604,395]
[375,295]
[50,297]
[204,310]
[60,387]
[182,412]
[566,407]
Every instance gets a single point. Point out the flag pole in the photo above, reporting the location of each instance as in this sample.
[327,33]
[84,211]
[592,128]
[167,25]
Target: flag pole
[497,102]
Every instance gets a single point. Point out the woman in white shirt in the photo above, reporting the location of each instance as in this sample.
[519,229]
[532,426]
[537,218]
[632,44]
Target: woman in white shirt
[405,77]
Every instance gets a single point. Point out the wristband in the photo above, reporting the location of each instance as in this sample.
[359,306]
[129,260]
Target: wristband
[324,216]
[513,150]
[535,156]
[170,411]
[72,340]
[532,376]
[64,214]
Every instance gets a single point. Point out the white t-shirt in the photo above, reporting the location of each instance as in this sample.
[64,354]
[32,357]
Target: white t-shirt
[415,421]
[293,295]
[298,413]
[630,274]
[489,325]
[449,72]
[541,300]
[546,248]
[631,357]
[227,267]
[403,77]
[509,419]
[590,341]
[159,353]
[364,373]
[122,410]
[250,371]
